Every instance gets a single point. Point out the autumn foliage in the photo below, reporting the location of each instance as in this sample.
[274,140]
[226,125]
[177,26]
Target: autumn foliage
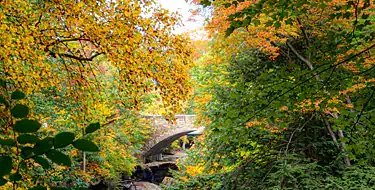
[285,90]
[92,61]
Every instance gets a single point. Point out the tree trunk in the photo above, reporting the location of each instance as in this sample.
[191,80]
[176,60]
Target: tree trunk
[329,128]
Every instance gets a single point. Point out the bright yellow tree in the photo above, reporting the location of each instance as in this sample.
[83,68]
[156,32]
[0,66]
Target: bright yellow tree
[96,60]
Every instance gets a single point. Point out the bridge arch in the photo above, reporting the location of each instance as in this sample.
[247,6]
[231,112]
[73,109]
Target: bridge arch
[164,133]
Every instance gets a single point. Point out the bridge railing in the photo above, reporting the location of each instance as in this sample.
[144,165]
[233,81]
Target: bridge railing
[181,120]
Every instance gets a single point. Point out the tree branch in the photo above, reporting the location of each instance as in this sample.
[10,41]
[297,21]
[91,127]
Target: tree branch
[307,39]
[365,105]
[66,40]
[75,57]
[303,59]
[329,128]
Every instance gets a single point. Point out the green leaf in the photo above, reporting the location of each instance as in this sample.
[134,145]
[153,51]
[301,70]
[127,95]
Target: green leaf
[6,165]
[17,95]
[232,112]
[63,139]
[365,16]
[2,83]
[322,6]
[2,181]
[26,152]
[43,145]
[7,142]
[277,25]
[368,85]
[26,126]
[205,3]
[59,188]
[246,22]
[229,31]
[284,14]
[289,21]
[256,22]
[269,23]
[27,138]
[85,145]
[43,162]
[23,166]
[272,118]
[227,122]
[59,158]
[20,111]
[2,100]
[39,187]
[92,127]
[15,177]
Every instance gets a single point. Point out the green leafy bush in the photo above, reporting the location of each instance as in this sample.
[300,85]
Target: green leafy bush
[22,148]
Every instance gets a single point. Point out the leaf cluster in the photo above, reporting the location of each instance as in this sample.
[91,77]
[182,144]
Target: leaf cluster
[25,151]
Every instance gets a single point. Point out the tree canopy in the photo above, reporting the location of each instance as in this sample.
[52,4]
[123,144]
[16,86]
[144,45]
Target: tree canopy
[69,68]
[285,90]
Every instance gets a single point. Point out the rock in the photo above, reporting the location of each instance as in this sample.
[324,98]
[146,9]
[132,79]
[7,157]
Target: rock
[167,181]
[99,185]
[147,186]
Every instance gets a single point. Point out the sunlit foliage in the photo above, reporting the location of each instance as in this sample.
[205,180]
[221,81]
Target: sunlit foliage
[92,61]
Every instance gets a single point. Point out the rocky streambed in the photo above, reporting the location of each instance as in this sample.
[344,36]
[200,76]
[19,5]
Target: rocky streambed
[146,177]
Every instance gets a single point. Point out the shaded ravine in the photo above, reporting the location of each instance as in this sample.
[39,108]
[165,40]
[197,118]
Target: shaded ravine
[146,177]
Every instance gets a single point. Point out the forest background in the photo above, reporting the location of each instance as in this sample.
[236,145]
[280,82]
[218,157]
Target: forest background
[284,88]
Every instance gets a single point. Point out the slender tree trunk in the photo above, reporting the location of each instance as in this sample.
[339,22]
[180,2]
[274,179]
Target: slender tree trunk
[84,162]
[328,125]
[83,155]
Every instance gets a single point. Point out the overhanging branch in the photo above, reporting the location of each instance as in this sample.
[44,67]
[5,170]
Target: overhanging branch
[74,57]
[79,58]
[303,59]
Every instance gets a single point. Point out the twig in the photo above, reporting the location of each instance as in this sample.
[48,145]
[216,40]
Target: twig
[299,129]
[307,39]
[365,105]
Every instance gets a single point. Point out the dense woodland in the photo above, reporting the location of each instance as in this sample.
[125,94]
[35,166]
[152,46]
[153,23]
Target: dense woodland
[284,88]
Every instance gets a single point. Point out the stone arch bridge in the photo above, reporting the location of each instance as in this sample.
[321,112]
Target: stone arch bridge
[164,132]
